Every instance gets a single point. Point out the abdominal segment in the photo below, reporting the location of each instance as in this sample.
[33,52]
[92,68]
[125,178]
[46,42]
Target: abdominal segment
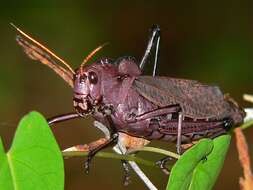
[191,130]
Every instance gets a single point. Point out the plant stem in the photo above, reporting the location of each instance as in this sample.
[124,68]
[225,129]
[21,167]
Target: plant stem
[125,157]
[111,155]
[157,150]
[247,124]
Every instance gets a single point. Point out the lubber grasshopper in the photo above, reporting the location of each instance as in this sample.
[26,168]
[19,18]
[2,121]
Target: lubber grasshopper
[116,94]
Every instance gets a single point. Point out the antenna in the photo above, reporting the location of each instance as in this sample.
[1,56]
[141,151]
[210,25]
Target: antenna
[43,47]
[93,53]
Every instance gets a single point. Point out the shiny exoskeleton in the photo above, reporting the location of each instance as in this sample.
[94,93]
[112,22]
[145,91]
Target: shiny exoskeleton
[148,107]
[116,93]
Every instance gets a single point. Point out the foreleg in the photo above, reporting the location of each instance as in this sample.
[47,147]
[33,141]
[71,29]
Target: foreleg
[93,152]
[62,118]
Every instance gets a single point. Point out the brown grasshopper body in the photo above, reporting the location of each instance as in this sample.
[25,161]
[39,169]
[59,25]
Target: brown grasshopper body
[151,107]
[148,107]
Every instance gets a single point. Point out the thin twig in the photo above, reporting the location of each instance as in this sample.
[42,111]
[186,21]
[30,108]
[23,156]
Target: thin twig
[246,183]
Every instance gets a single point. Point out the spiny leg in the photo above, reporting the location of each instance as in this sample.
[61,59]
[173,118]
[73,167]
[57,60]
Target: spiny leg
[91,148]
[156,55]
[126,178]
[127,143]
[179,132]
[154,40]
[125,165]
[93,152]
[120,148]
[163,161]
[107,133]
[95,144]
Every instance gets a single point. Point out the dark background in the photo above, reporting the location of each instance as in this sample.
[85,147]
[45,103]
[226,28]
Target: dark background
[209,41]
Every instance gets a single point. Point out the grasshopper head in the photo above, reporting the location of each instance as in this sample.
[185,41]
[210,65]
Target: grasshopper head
[88,82]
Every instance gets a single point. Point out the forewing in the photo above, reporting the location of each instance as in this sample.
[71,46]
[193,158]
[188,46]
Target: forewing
[195,99]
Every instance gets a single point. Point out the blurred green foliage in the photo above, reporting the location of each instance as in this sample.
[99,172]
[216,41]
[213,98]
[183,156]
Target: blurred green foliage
[34,160]
[210,41]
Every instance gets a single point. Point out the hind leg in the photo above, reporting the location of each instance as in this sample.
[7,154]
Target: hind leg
[154,41]
[162,162]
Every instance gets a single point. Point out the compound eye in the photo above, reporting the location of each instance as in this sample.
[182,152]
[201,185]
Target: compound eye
[83,78]
[93,78]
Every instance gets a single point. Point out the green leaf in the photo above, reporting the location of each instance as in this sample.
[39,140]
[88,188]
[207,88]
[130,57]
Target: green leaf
[182,171]
[5,174]
[207,172]
[34,160]
[199,167]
